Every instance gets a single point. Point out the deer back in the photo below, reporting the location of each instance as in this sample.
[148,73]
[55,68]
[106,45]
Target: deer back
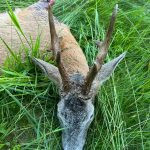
[34,23]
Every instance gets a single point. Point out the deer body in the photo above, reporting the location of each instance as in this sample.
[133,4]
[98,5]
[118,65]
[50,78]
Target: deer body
[34,22]
[77,83]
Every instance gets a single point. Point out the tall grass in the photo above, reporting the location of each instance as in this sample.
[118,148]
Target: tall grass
[28,100]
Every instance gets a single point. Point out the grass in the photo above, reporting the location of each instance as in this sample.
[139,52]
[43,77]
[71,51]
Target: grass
[28,100]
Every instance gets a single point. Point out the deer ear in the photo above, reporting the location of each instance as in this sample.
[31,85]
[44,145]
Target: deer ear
[107,69]
[50,70]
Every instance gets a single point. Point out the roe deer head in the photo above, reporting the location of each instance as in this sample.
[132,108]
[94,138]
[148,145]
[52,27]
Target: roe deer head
[78,84]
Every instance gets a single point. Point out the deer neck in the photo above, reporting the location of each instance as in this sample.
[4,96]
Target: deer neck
[72,55]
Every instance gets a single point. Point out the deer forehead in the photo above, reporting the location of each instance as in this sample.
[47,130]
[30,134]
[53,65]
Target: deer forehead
[74,104]
[77,79]
[74,97]
[74,112]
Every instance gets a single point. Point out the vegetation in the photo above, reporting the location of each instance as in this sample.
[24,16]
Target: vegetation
[28,100]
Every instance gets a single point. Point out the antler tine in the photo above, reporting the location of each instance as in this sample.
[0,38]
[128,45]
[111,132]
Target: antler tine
[54,38]
[101,56]
[55,42]
[63,73]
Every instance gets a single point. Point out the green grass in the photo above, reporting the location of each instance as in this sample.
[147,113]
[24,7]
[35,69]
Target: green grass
[28,100]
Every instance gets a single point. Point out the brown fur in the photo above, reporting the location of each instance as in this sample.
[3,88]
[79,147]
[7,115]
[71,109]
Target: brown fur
[31,25]
[35,22]
[72,55]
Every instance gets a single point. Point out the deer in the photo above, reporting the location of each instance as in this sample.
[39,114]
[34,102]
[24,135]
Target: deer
[78,83]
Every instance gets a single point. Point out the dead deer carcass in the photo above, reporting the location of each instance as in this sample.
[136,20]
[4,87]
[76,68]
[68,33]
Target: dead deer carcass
[78,84]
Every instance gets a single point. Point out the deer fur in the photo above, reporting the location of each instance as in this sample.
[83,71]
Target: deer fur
[34,22]
[75,109]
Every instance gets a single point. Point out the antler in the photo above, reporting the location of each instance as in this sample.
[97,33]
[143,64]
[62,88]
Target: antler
[55,42]
[101,56]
